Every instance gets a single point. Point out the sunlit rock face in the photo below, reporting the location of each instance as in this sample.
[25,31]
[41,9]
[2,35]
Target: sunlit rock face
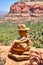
[19,8]
[23,8]
[38,8]
[23,12]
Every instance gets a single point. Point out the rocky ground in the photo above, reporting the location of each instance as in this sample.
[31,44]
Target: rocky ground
[33,60]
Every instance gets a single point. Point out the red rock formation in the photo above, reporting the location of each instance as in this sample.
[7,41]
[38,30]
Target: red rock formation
[23,7]
[19,7]
[38,8]
[12,8]
[25,12]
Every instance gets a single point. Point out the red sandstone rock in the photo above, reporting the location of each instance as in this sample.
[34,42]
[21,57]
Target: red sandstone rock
[23,7]
[23,12]
[12,62]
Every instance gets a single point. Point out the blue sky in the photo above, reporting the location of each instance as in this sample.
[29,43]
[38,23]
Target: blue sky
[5,4]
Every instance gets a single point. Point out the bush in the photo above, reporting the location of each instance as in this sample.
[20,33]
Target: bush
[8,33]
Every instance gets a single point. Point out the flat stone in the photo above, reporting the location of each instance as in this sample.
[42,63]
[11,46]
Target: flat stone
[19,57]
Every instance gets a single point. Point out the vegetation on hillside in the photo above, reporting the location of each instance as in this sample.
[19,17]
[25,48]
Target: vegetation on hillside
[8,33]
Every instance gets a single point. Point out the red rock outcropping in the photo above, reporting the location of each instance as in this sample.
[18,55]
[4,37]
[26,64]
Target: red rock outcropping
[19,8]
[24,8]
[25,12]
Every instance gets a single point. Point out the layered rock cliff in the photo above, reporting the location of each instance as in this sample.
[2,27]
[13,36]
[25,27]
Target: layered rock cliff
[25,12]
[25,8]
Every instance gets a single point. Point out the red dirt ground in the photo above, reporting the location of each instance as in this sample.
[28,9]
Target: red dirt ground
[12,62]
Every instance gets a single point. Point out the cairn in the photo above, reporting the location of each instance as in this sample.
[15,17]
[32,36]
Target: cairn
[20,47]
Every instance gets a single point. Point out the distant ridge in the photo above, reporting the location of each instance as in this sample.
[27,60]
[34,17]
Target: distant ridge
[3,13]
